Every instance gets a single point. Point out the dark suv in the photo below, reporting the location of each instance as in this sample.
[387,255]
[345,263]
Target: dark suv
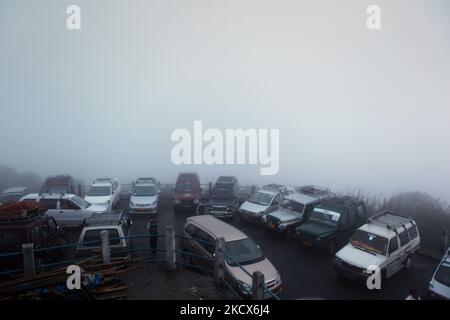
[26,222]
[331,224]
[224,198]
[59,184]
[187,191]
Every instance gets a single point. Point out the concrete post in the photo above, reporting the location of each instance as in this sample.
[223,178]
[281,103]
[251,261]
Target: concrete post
[29,269]
[258,286]
[444,240]
[106,250]
[170,248]
[209,189]
[80,193]
[219,272]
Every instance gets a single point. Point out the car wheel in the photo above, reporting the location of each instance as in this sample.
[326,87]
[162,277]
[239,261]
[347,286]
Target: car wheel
[408,262]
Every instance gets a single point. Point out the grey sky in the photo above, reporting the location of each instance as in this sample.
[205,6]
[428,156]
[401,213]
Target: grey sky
[355,108]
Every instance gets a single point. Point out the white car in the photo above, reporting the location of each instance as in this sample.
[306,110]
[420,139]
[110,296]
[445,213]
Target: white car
[387,241]
[263,202]
[144,197]
[439,286]
[68,210]
[104,192]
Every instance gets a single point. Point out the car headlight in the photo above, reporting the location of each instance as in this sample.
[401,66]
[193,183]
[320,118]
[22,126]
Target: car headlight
[107,203]
[131,203]
[319,239]
[196,201]
[177,201]
[282,226]
[154,203]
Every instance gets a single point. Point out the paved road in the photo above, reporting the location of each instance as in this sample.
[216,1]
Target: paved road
[305,272]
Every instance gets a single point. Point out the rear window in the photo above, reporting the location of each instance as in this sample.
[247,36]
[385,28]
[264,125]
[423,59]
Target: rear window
[92,237]
[412,232]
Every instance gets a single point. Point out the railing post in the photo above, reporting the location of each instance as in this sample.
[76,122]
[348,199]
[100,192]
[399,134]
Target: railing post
[219,261]
[80,193]
[170,247]
[253,189]
[28,260]
[258,285]
[209,189]
[106,250]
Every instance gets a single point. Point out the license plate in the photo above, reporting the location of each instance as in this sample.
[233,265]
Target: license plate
[187,194]
[306,243]
[271,225]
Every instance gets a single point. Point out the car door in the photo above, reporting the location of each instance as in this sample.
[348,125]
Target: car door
[274,204]
[52,205]
[206,246]
[395,256]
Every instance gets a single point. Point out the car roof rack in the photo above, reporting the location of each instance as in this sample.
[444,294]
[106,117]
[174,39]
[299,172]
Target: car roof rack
[275,187]
[143,180]
[226,179]
[314,190]
[390,220]
[113,217]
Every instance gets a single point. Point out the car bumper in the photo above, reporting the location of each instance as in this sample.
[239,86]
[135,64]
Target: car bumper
[250,217]
[355,275]
[188,203]
[143,210]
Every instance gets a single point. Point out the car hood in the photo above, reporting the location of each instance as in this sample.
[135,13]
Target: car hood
[285,215]
[315,228]
[96,208]
[99,199]
[220,202]
[265,267]
[440,289]
[359,258]
[143,199]
[253,207]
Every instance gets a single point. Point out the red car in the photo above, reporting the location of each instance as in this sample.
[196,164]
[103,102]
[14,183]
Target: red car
[187,191]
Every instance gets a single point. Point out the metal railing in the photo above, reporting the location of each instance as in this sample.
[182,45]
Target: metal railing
[220,270]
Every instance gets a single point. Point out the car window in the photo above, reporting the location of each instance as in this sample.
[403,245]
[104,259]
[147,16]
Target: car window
[206,241]
[412,232]
[65,204]
[92,237]
[404,238]
[393,245]
[190,230]
[49,203]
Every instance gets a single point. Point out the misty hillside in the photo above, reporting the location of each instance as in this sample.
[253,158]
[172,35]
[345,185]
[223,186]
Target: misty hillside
[11,178]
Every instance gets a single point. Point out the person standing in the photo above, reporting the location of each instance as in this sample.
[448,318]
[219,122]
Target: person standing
[152,228]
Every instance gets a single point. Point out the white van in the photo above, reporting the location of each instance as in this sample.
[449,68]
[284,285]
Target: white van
[386,241]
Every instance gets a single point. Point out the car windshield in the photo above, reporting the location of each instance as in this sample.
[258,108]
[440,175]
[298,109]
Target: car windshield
[186,187]
[261,198]
[443,274]
[99,191]
[243,252]
[81,202]
[369,242]
[10,197]
[222,193]
[292,205]
[141,191]
[325,216]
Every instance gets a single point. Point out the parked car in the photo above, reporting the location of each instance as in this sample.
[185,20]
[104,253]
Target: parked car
[295,208]
[331,224]
[387,241]
[187,191]
[59,184]
[224,198]
[68,210]
[25,222]
[104,192]
[263,202]
[12,194]
[145,196]
[439,286]
[118,226]
[242,253]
